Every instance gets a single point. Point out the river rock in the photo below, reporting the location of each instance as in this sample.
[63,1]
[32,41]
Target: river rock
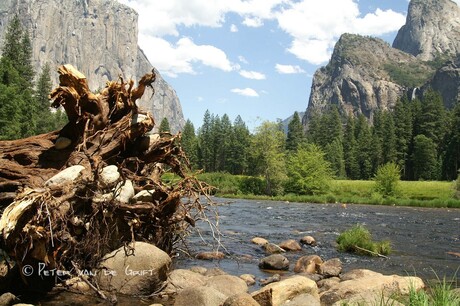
[62,143]
[180,279]
[199,270]
[368,298]
[272,279]
[215,272]
[272,248]
[358,273]
[278,293]
[305,299]
[327,283]
[7,299]
[308,240]
[227,284]
[308,264]
[210,255]
[203,296]
[331,267]
[66,176]
[290,245]
[242,299]
[274,262]
[140,274]
[124,191]
[144,196]
[109,175]
[249,279]
[371,284]
[259,241]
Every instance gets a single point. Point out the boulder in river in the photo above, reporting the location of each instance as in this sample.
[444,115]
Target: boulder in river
[140,273]
[259,241]
[331,267]
[180,279]
[290,245]
[274,262]
[272,248]
[202,295]
[308,240]
[278,293]
[249,279]
[227,284]
[370,285]
[308,264]
[210,255]
[242,299]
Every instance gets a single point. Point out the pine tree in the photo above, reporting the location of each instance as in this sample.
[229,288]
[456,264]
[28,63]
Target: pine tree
[350,149]
[424,158]
[224,139]
[402,115]
[364,151]
[240,146]
[189,143]
[295,133]
[389,139]
[432,118]
[164,126]
[205,143]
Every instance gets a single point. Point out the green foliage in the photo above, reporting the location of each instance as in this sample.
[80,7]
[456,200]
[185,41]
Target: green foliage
[359,240]
[267,156]
[224,183]
[387,179]
[308,171]
[164,126]
[457,187]
[409,74]
[424,158]
[189,143]
[252,185]
[295,134]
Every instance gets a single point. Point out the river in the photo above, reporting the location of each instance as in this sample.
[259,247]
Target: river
[421,238]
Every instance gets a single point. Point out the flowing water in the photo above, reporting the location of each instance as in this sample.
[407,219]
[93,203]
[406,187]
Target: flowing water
[423,239]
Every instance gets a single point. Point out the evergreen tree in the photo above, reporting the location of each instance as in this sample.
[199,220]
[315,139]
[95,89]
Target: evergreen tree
[389,139]
[335,156]
[350,149]
[223,142]
[433,118]
[364,151]
[402,115]
[205,143]
[295,133]
[239,148]
[451,160]
[164,126]
[189,143]
[424,158]
[46,120]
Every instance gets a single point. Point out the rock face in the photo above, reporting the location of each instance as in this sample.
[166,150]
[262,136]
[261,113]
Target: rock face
[359,81]
[100,38]
[366,74]
[432,28]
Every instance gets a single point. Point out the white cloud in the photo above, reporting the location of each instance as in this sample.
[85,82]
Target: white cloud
[254,75]
[457,1]
[253,22]
[233,28]
[242,59]
[288,69]
[248,92]
[173,59]
[315,26]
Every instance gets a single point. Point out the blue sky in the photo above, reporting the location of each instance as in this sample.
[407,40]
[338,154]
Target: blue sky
[253,58]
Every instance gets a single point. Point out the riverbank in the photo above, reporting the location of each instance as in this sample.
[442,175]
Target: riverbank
[439,194]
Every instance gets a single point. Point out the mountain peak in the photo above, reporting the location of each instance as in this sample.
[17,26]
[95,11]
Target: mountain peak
[432,28]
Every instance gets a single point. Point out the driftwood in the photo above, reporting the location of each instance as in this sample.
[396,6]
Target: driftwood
[75,223]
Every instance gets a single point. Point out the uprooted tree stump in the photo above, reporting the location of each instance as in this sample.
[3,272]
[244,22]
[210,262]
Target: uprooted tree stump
[71,224]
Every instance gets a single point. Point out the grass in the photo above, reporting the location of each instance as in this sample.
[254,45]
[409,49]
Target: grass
[359,240]
[411,193]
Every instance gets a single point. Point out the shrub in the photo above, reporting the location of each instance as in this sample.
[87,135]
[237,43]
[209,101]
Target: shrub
[252,185]
[457,187]
[308,171]
[387,180]
[359,240]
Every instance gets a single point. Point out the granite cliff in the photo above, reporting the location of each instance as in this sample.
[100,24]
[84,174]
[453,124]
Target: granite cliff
[366,74]
[98,37]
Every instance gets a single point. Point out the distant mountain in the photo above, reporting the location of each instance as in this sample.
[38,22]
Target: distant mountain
[366,74]
[99,38]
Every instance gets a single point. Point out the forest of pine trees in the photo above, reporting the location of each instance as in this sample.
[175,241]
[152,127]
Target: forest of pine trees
[420,136]
[24,104]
